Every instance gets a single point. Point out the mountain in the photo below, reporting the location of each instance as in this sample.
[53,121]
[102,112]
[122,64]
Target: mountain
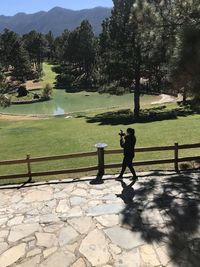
[57,20]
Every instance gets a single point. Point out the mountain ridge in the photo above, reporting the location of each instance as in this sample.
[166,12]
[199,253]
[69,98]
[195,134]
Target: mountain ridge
[56,19]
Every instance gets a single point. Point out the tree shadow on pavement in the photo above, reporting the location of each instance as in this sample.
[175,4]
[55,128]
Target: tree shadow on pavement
[166,212]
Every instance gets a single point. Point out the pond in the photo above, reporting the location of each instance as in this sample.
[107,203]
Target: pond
[65,103]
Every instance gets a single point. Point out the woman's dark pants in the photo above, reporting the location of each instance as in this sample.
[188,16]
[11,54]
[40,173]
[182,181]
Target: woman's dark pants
[127,162]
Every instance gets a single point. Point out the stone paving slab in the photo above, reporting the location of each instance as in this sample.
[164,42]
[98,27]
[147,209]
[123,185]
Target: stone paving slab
[153,222]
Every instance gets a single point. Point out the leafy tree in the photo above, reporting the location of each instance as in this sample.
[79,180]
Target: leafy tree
[21,63]
[81,47]
[3,100]
[185,57]
[37,47]
[2,79]
[104,54]
[113,44]
[7,42]
[185,69]
[47,91]
[13,54]
[51,46]
[78,50]
[61,46]
[86,46]
[129,44]
[142,38]
[72,50]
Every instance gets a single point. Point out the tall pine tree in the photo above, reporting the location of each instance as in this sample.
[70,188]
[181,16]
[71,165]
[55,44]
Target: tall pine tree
[128,44]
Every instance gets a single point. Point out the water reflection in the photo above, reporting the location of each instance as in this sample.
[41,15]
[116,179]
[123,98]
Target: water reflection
[59,111]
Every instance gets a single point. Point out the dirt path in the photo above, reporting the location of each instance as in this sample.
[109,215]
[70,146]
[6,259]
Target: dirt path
[31,86]
[8,117]
[166,99]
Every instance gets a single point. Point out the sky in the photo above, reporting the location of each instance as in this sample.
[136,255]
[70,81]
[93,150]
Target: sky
[11,7]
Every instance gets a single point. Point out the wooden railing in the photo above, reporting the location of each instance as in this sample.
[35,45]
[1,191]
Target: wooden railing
[100,154]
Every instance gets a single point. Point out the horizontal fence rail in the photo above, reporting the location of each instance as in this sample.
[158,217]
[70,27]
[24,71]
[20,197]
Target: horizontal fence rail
[39,159]
[100,154]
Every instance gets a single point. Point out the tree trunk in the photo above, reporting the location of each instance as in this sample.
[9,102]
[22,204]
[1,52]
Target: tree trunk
[137,93]
[184,96]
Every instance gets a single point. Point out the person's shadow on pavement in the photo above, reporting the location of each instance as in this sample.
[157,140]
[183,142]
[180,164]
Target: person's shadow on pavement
[128,192]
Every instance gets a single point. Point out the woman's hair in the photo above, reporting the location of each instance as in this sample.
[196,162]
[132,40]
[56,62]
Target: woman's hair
[131,131]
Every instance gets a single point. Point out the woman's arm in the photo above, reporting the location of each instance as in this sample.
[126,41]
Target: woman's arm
[122,142]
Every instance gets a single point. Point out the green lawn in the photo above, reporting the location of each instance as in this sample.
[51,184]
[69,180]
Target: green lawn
[49,75]
[62,136]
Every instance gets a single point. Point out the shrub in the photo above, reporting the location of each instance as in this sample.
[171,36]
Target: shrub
[57,69]
[22,91]
[113,88]
[4,101]
[47,91]
[64,81]
[185,166]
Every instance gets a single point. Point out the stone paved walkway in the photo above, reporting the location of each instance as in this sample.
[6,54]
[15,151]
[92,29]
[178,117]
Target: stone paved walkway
[154,222]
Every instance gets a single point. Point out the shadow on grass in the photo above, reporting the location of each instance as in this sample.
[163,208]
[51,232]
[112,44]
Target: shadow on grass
[125,116]
[167,214]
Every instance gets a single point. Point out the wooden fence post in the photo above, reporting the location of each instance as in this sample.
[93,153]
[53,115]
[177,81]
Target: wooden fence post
[100,153]
[176,157]
[29,167]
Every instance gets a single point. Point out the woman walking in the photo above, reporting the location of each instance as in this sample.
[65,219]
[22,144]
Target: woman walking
[127,142]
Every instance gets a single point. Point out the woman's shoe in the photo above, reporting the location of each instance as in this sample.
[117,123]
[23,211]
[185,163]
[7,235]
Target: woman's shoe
[119,178]
[134,178]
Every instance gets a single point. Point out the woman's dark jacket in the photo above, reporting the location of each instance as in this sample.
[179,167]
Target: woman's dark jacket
[128,144]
